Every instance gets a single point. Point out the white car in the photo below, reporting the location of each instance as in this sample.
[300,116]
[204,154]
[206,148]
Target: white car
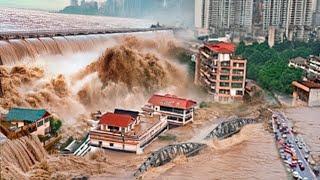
[295,174]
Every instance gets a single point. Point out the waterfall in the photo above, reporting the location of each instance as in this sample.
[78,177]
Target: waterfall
[16,50]
[21,153]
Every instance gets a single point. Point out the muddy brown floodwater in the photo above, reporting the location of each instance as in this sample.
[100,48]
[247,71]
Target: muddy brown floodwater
[306,121]
[251,154]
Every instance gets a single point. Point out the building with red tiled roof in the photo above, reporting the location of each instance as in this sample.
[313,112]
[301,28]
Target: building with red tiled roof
[179,111]
[116,120]
[221,47]
[125,130]
[220,72]
[171,101]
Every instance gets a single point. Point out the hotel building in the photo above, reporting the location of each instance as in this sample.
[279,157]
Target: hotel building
[220,72]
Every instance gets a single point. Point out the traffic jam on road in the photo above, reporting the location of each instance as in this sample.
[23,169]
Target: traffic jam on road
[292,149]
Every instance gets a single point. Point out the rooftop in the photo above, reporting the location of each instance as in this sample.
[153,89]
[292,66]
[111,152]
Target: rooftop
[118,120]
[23,114]
[221,47]
[299,60]
[310,84]
[133,114]
[171,101]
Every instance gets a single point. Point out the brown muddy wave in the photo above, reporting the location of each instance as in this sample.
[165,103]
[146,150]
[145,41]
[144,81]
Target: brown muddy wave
[250,154]
[126,75]
[13,51]
[25,158]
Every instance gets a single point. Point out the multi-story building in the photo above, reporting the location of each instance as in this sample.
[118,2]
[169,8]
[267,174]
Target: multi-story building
[316,15]
[178,111]
[226,15]
[311,65]
[220,72]
[123,130]
[74,3]
[292,18]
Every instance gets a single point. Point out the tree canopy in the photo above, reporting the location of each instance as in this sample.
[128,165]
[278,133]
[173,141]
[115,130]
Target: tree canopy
[269,66]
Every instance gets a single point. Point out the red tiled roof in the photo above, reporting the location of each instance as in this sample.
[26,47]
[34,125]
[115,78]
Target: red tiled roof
[222,47]
[171,101]
[118,120]
[310,84]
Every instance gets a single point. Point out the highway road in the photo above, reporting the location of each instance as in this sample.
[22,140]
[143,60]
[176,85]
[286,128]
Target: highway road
[279,121]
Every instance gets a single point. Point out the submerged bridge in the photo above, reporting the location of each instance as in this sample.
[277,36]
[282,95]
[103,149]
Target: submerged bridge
[74,32]
[229,128]
[166,154]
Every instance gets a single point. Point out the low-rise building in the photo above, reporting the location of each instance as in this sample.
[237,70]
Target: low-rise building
[178,111]
[35,121]
[220,72]
[307,92]
[311,65]
[123,130]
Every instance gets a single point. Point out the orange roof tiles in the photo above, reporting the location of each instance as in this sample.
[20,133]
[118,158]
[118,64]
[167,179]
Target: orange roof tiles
[222,47]
[171,101]
[118,120]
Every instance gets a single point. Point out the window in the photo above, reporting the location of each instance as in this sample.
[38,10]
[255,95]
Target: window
[40,123]
[225,71]
[225,64]
[172,118]
[237,71]
[236,85]
[224,77]
[47,120]
[237,78]
[224,84]
[169,109]
[111,144]
[224,91]
[100,143]
[239,93]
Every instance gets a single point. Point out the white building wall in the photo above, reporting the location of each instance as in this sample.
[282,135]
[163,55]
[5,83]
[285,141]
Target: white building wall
[198,21]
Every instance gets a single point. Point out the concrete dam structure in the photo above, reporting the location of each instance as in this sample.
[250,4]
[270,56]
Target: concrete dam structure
[17,46]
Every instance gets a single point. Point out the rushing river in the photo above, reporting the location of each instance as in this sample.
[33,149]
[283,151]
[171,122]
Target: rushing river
[248,155]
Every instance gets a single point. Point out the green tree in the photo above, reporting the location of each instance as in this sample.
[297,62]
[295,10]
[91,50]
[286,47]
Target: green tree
[55,125]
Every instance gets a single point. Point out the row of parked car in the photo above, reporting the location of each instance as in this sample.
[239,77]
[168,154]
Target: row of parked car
[288,146]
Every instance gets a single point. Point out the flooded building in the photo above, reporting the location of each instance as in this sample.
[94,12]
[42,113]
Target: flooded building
[220,72]
[78,148]
[178,111]
[35,121]
[307,92]
[123,130]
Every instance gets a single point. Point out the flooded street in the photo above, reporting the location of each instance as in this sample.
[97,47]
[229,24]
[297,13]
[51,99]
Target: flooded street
[306,122]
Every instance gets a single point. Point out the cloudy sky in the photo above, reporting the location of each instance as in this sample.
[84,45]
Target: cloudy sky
[35,4]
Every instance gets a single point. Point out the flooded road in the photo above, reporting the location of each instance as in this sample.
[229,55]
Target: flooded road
[249,155]
[306,122]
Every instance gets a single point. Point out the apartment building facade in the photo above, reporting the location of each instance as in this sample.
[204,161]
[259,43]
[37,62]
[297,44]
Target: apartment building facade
[220,72]
[291,18]
[228,15]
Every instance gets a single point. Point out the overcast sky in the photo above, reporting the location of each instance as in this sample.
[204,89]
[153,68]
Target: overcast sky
[35,4]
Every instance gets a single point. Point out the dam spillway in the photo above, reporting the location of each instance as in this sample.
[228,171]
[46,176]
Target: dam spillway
[27,45]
